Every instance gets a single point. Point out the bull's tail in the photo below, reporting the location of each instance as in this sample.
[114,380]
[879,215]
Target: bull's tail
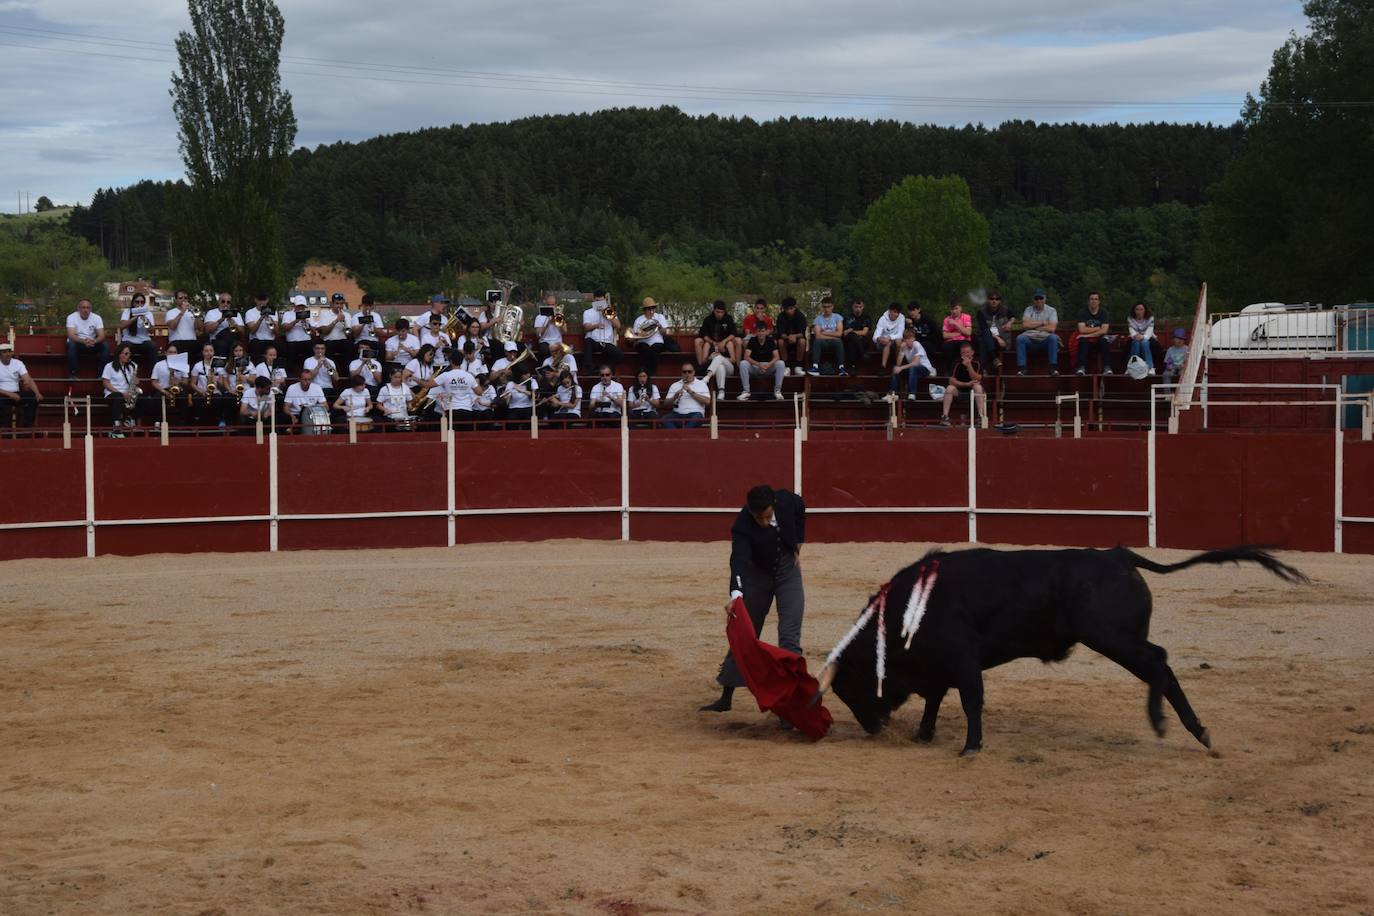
[1242,554]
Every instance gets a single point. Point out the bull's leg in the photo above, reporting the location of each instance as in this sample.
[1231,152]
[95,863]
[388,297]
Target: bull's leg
[925,732]
[1149,662]
[970,685]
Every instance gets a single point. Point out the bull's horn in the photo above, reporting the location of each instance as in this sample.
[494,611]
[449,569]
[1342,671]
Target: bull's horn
[826,676]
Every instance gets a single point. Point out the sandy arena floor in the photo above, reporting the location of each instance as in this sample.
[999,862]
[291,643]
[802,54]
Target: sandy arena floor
[390,731]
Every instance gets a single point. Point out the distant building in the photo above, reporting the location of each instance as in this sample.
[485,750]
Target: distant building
[123,292]
[312,296]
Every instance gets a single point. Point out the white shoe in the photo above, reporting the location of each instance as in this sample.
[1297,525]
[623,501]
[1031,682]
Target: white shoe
[890,397]
[798,370]
[1153,372]
[911,397]
[777,395]
[743,396]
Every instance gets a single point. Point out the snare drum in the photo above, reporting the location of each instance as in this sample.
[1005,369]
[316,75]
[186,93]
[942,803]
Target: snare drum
[315,420]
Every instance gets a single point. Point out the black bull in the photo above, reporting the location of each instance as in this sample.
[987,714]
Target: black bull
[988,607]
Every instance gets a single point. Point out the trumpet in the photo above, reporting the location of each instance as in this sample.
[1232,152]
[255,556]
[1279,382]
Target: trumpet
[560,320]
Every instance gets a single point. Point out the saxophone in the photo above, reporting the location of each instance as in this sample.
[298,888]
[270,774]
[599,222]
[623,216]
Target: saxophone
[131,390]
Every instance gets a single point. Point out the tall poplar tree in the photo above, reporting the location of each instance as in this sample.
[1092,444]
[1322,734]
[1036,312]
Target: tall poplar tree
[236,128]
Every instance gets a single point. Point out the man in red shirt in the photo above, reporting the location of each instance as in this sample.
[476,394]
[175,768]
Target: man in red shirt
[758,316]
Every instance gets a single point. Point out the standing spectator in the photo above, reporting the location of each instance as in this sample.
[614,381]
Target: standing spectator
[913,362]
[717,344]
[17,390]
[1093,326]
[643,397]
[455,391]
[85,334]
[1141,324]
[183,326]
[993,324]
[966,376]
[295,325]
[888,334]
[608,396]
[955,331]
[218,324]
[927,331]
[1176,356]
[648,332]
[261,323]
[686,400]
[761,358]
[758,316]
[829,332]
[1038,324]
[135,329]
[858,328]
[546,330]
[791,335]
[367,327]
[335,328]
[600,333]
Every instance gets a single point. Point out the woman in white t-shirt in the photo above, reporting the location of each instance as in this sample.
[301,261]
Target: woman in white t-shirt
[519,402]
[355,401]
[273,370]
[120,381]
[566,398]
[419,372]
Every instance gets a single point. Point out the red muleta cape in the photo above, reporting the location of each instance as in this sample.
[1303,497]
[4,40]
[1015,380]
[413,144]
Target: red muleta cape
[777,678]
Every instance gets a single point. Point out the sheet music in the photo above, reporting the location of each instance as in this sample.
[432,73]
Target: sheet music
[179,362]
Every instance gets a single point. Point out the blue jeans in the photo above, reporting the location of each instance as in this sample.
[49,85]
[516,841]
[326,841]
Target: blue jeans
[913,376]
[1024,344]
[1141,348]
[823,348]
[681,421]
[74,351]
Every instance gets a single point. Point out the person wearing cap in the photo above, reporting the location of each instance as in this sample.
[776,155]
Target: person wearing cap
[766,539]
[436,307]
[183,327]
[133,331]
[17,390]
[261,324]
[1093,326]
[791,335]
[546,330]
[648,329]
[717,344]
[887,336]
[1038,324]
[599,334]
[1175,356]
[335,329]
[295,325]
[992,333]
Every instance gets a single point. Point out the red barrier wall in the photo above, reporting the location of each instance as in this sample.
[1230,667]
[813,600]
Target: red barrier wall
[218,537]
[352,533]
[678,470]
[190,479]
[326,475]
[43,485]
[860,473]
[1358,496]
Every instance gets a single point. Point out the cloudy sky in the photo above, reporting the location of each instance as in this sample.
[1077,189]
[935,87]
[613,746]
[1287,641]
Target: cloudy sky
[84,103]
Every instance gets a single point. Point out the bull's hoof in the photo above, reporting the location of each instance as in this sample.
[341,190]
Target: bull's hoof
[923,737]
[970,751]
[1159,727]
[1205,738]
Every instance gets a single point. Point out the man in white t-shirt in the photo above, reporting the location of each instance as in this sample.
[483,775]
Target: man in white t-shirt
[261,324]
[648,333]
[434,335]
[887,335]
[183,327]
[165,378]
[608,396]
[367,328]
[220,330]
[85,336]
[304,393]
[369,367]
[600,333]
[295,325]
[335,327]
[135,329]
[19,393]
[323,369]
[260,402]
[546,330]
[686,400]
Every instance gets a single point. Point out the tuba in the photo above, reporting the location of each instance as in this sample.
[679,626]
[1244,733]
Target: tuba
[509,318]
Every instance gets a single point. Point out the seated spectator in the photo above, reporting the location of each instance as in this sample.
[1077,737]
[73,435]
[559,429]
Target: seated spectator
[302,396]
[829,333]
[547,331]
[993,330]
[608,396]
[136,330]
[927,331]
[435,336]
[273,369]
[324,370]
[758,316]
[955,331]
[367,328]
[19,394]
[912,362]
[600,333]
[887,336]
[419,372]
[648,335]
[295,327]
[1038,324]
[213,400]
[368,367]
[858,328]
[643,398]
[260,403]
[761,358]
[355,403]
[1093,326]
[967,376]
[402,346]
[119,378]
[1176,356]
[1141,325]
[686,400]
[393,399]
[566,399]
[519,394]
[85,336]
[791,335]
[717,344]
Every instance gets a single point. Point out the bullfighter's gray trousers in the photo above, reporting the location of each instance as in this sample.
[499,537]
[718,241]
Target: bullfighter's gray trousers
[760,589]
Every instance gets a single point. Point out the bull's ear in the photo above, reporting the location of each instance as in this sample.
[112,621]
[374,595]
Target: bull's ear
[827,675]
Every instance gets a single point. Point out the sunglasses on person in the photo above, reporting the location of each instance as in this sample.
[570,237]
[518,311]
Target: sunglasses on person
[605,375]
[994,298]
[689,372]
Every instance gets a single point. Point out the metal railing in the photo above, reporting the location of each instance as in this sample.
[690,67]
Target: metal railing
[1290,330]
